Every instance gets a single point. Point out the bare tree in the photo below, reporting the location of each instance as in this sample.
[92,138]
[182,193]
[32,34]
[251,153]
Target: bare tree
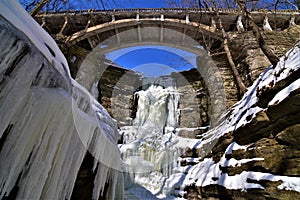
[36,6]
[256,32]
[250,4]
[201,3]
[241,85]
[276,4]
[212,5]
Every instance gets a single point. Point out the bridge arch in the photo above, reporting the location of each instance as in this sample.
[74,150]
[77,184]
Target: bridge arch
[117,25]
[92,68]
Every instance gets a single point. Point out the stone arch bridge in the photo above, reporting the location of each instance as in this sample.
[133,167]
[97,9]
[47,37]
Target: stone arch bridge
[88,28]
[80,32]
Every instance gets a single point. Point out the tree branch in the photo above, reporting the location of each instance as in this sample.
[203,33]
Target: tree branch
[39,6]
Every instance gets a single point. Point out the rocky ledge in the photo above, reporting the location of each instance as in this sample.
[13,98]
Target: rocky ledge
[256,153]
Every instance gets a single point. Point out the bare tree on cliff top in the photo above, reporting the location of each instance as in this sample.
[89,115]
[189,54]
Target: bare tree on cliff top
[256,32]
[250,4]
[35,6]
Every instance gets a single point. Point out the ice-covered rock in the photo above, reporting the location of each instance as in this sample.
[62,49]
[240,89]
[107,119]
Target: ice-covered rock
[48,121]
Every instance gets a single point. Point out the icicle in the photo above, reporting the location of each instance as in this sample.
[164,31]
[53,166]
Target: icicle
[47,128]
[239,24]
[266,25]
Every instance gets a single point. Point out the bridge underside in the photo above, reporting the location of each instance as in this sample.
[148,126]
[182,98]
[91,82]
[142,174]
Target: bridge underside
[80,20]
[127,33]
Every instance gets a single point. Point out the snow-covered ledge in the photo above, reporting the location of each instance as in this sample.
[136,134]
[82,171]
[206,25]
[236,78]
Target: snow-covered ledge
[281,82]
[48,121]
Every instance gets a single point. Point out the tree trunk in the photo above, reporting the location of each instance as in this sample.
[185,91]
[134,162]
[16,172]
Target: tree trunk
[239,81]
[241,85]
[262,44]
[257,34]
[38,7]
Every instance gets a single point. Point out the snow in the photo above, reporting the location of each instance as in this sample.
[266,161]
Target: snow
[233,162]
[266,25]
[13,12]
[138,192]
[48,119]
[207,172]
[239,24]
[186,142]
[280,96]
[233,147]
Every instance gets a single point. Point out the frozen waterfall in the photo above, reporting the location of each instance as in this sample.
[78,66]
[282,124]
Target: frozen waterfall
[149,152]
[157,108]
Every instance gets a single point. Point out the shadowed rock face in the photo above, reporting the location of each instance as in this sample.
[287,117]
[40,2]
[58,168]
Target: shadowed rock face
[118,85]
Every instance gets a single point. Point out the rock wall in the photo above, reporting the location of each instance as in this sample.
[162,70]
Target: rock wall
[250,59]
[194,103]
[256,155]
[116,87]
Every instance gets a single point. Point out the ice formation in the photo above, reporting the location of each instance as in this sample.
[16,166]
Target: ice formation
[149,151]
[48,121]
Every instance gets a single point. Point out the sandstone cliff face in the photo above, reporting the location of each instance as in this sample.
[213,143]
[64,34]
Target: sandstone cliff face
[116,93]
[194,103]
[257,156]
[250,59]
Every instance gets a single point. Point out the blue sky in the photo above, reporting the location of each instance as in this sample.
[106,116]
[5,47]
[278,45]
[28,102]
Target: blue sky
[96,4]
[110,4]
[142,3]
[153,60]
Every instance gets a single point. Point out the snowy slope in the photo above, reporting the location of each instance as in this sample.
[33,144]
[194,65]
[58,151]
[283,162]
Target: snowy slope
[208,172]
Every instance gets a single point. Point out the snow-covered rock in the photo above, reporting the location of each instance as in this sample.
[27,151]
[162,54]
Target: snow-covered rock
[255,152]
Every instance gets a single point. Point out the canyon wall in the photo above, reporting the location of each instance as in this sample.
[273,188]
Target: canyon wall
[256,155]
